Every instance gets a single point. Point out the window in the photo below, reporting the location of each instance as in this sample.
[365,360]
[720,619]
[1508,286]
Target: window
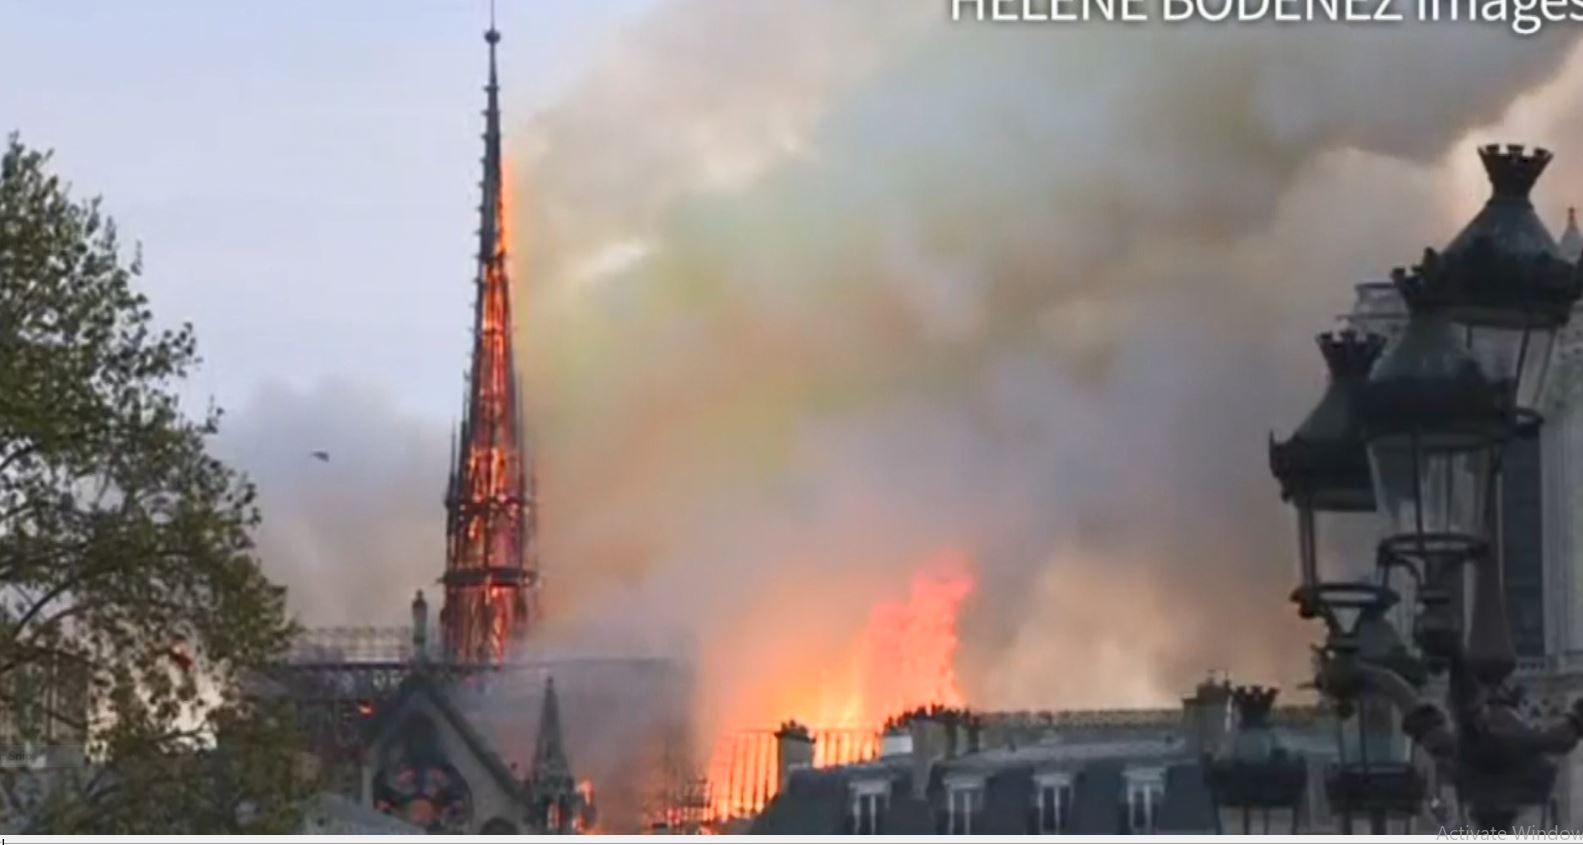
[1145,790]
[966,800]
[1052,802]
[869,800]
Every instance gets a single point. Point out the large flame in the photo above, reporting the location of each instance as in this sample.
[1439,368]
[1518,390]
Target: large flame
[903,657]
[906,654]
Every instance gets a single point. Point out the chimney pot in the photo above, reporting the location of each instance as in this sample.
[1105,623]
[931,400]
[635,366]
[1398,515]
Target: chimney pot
[420,627]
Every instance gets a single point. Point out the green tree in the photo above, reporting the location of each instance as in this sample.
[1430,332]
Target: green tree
[132,607]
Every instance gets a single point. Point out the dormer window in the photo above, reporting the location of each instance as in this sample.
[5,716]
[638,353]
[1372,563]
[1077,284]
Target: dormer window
[965,800]
[869,801]
[1052,801]
[1145,793]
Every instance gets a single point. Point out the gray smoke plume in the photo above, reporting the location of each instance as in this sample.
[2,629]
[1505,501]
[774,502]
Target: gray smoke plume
[353,537]
[816,290]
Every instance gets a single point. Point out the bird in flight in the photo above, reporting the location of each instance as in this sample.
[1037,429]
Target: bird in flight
[321,455]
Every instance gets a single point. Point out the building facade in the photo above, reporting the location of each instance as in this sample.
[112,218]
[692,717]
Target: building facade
[1107,772]
[1555,677]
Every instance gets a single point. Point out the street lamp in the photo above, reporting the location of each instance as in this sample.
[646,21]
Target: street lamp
[1503,279]
[1256,778]
[1460,380]
[1434,425]
[1323,469]
[1375,780]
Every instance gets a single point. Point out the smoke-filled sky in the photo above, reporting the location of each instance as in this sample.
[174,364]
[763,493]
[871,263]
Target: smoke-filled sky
[814,293]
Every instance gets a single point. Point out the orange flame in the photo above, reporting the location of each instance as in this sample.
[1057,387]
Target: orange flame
[494,538]
[903,657]
[583,824]
[908,651]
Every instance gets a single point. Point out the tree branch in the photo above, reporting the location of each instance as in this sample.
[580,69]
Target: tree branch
[80,577]
[27,449]
[17,702]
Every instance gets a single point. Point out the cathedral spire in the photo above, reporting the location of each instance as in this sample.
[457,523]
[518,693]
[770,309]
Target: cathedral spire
[549,751]
[491,575]
[490,240]
[552,789]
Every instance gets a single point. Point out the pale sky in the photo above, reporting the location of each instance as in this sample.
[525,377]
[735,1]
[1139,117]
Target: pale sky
[302,175]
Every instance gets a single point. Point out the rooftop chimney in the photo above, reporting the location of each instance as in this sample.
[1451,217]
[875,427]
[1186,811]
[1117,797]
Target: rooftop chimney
[793,750]
[420,628]
[1206,716]
[897,742]
[931,743]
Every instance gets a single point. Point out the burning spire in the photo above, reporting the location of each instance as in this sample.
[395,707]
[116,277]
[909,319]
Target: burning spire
[491,569]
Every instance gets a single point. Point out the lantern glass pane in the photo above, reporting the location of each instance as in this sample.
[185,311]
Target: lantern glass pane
[1371,734]
[1432,483]
[1514,355]
[1346,543]
[1307,541]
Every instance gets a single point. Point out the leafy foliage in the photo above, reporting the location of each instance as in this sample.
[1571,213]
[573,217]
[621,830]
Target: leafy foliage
[129,592]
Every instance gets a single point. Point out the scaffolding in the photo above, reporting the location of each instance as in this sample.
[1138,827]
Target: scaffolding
[744,770]
[336,679]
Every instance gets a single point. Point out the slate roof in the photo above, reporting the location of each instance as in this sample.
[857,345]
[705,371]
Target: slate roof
[1097,796]
[1188,806]
[815,802]
[818,801]
[1097,750]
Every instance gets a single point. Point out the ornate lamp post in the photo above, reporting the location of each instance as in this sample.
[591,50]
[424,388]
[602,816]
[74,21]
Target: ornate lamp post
[1504,285]
[1324,472]
[1376,782]
[1323,469]
[1435,425]
[1463,378]
[1504,281]
[1257,785]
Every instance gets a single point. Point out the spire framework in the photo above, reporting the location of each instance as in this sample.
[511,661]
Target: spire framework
[491,571]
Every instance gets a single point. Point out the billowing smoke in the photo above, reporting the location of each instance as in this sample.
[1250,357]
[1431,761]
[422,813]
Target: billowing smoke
[353,531]
[816,290]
